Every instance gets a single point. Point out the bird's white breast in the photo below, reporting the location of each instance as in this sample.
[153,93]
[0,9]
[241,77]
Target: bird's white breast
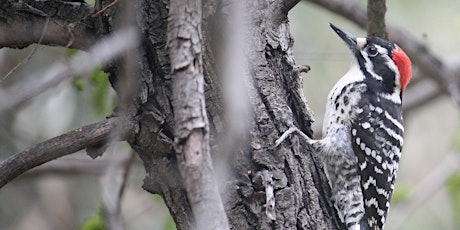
[353,75]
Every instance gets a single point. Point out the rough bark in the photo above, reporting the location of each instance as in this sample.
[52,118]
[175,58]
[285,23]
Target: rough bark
[300,188]
[191,131]
[282,188]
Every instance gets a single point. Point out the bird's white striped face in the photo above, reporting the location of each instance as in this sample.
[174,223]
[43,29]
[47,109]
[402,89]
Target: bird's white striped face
[376,56]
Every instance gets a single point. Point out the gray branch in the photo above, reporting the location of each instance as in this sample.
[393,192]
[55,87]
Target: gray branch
[26,20]
[101,53]
[376,10]
[56,147]
[191,123]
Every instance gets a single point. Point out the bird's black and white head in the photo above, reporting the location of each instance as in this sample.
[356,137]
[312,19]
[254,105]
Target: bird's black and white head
[385,66]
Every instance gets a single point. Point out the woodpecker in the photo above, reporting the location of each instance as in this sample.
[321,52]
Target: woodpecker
[363,130]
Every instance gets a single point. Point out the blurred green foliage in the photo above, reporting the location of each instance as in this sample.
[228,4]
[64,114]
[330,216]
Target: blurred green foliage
[70,53]
[453,185]
[100,87]
[169,224]
[78,83]
[96,222]
[401,193]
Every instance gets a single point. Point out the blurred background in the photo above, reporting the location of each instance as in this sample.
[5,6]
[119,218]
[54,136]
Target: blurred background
[70,191]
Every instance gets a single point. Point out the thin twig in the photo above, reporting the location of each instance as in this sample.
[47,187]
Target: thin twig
[31,54]
[105,8]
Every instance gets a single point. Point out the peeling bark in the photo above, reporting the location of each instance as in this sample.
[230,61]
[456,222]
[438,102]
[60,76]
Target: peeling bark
[191,131]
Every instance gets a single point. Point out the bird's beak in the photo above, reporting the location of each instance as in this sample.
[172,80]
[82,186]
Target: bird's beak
[349,39]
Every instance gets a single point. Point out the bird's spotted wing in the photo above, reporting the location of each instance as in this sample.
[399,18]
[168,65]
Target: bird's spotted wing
[377,141]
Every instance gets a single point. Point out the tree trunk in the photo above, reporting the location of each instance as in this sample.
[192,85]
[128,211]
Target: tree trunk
[261,187]
[291,172]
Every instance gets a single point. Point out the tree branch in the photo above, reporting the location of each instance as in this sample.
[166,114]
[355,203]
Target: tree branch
[279,11]
[429,64]
[191,129]
[101,53]
[112,187]
[23,23]
[56,147]
[420,94]
[287,5]
[376,10]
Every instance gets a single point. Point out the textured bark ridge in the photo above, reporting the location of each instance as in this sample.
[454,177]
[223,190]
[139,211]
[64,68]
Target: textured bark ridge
[300,187]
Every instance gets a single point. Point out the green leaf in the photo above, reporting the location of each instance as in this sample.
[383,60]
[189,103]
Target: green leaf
[96,222]
[98,89]
[101,97]
[78,83]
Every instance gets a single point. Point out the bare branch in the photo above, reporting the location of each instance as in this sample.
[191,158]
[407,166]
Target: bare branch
[24,21]
[376,10]
[192,129]
[112,186]
[429,64]
[420,94]
[287,5]
[279,11]
[101,53]
[56,147]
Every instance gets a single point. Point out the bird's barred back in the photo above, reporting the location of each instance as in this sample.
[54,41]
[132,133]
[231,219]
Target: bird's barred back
[377,141]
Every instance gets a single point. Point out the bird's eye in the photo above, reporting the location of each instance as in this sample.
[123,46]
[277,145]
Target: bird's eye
[372,51]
